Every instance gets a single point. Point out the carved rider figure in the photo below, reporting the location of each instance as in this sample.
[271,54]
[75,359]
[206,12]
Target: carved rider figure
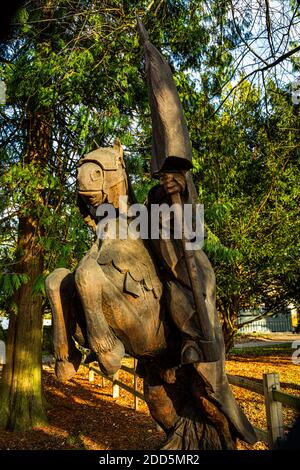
[155,299]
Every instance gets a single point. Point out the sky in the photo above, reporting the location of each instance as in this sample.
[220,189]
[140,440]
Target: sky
[263,46]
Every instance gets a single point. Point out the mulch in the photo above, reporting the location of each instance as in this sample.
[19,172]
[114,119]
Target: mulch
[83,414]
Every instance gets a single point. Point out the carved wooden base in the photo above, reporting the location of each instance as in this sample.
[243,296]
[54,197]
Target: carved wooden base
[182,409]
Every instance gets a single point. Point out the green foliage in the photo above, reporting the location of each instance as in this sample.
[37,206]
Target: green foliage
[248,184]
[280,350]
[9,282]
[78,68]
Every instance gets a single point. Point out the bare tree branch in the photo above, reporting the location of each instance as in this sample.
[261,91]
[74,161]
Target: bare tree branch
[268,25]
[260,69]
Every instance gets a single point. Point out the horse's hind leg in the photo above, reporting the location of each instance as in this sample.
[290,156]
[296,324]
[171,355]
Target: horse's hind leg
[90,281]
[60,288]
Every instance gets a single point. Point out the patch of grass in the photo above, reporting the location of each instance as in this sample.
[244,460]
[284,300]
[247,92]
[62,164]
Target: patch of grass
[254,334]
[283,349]
[75,440]
[245,337]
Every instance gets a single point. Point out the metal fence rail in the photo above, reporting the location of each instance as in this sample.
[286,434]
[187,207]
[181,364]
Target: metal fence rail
[265,325]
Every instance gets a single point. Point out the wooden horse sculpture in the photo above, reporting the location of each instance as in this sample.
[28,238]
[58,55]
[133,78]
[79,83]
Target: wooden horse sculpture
[119,299]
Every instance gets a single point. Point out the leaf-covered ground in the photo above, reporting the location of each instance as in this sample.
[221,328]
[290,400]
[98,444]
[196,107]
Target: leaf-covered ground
[83,415]
[253,363]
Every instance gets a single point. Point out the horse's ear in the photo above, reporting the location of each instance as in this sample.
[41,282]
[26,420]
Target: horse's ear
[118,147]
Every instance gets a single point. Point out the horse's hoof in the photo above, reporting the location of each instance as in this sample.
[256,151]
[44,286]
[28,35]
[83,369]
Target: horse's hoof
[66,369]
[110,361]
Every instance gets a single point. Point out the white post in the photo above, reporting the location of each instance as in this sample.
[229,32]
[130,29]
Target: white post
[2,353]
[115,386]
[101,384]
[273,409]
[135,386]
[91,373]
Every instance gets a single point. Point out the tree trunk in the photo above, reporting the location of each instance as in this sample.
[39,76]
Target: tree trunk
[229,334]
[7,374]
[229,329]
[21,403]
[21,393]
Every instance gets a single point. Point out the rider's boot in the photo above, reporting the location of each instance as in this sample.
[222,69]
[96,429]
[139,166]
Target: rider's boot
[195,348]
[190,352]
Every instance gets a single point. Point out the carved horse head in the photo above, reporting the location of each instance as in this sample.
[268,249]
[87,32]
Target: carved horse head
[102,176]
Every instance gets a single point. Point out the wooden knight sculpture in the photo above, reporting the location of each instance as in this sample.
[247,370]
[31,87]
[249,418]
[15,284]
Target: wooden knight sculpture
[153,299]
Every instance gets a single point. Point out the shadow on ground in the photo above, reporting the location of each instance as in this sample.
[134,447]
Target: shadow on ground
[84,416]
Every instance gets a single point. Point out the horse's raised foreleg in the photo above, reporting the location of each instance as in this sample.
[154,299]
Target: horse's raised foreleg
[60,289]
[90,281]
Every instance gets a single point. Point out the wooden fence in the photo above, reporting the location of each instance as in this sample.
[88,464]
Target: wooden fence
[117,384]
[274,398]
